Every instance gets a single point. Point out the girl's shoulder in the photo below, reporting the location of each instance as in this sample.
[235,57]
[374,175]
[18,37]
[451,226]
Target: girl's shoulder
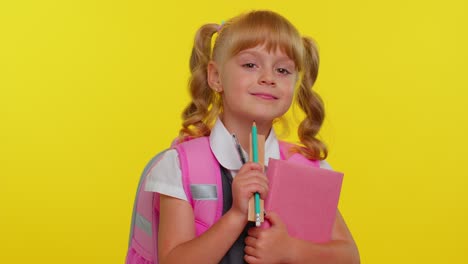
[290,150]
[325,165]
[164,175]
[165,158]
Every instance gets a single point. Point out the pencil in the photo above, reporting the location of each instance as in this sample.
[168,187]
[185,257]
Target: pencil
[255,159]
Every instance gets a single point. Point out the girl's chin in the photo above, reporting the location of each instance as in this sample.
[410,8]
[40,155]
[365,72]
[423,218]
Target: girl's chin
[260,115]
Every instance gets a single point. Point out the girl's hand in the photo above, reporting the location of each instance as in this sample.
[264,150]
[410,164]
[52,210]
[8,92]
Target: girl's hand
[269,245]
[248,180]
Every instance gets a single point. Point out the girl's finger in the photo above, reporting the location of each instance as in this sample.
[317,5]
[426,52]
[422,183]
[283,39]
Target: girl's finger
[250,241]
[250,166]
[249,251]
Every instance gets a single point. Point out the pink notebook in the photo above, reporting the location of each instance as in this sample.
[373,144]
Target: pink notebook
[305,198]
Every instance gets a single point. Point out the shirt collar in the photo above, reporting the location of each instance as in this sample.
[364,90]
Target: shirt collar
[224,148]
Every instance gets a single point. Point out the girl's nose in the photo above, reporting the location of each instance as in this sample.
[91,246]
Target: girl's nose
[267,78]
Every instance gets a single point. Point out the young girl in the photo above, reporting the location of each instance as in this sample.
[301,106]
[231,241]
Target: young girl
[256,65]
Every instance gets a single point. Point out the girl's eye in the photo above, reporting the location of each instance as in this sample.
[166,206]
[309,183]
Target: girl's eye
[283,71]
[249,65]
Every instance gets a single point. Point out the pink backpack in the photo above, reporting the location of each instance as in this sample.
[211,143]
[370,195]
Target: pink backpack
[203,186]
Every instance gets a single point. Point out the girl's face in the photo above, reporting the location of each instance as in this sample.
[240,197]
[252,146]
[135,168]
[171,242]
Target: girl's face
[255,84]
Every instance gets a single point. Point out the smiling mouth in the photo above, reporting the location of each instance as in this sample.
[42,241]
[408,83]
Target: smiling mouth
[265,96]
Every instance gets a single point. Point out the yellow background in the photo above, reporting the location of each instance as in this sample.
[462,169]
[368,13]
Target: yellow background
[91,90]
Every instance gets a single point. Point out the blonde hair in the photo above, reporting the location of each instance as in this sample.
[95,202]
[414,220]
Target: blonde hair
[247,31]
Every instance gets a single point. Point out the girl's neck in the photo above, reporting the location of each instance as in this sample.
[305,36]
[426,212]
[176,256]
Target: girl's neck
[242,128]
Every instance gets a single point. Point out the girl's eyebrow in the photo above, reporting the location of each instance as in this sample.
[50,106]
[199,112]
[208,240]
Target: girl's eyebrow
[248,52]
[283,58]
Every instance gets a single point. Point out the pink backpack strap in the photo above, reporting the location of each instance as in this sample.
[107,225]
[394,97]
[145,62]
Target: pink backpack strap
[287,154]
[202,181]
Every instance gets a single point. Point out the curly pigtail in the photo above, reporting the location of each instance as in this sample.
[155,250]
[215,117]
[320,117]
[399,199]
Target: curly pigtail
[312,105]
[197,115]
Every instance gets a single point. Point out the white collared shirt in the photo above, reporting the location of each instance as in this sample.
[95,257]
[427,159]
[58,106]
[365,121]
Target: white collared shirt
[166,177]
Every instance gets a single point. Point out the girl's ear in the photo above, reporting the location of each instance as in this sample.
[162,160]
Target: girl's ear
[214,80]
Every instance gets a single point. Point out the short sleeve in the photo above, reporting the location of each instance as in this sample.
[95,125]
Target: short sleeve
[165,177]
[325,165]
